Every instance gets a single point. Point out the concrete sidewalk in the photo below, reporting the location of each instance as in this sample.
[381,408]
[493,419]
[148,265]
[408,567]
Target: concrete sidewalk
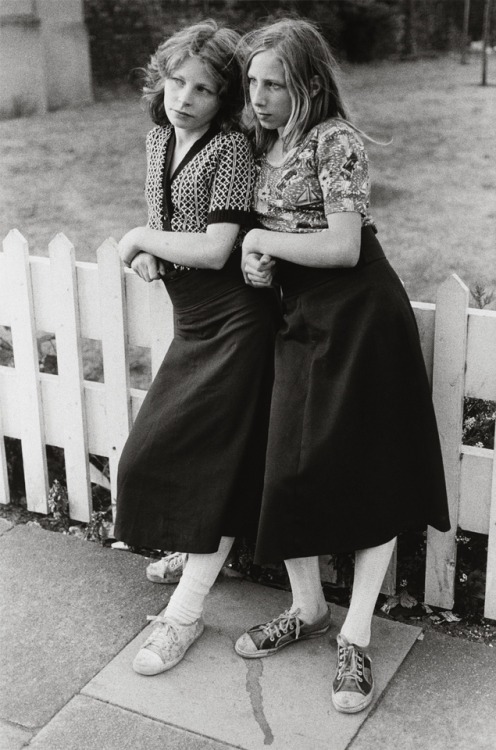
[71,622]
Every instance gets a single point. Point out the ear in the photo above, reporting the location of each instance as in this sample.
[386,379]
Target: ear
[315,86]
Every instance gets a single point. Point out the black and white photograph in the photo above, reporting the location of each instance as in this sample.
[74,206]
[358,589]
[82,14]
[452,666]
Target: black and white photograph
[247,374]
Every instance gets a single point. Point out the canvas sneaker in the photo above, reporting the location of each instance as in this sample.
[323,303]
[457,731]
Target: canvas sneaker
[166,645]
[353,684]
[167,570]
[265,640]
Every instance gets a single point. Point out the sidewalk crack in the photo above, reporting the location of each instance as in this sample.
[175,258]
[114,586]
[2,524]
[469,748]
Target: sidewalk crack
[254,690]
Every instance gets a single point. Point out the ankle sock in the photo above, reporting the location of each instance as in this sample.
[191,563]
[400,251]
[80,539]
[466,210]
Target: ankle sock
[370,568]
[306,587]
[186,603]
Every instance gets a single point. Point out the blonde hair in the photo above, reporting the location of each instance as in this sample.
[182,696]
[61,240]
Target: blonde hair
[311,72]
[220,50]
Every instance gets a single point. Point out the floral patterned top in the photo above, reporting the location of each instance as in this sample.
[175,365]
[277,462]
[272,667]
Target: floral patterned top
[326,173]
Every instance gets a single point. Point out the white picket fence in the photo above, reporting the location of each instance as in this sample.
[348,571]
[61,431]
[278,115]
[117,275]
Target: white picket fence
[102,301]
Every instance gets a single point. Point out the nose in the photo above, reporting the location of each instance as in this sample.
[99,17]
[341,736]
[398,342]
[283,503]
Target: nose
[184,95]
[256,93]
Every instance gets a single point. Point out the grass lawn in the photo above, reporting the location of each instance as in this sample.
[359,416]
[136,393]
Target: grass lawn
[82,171]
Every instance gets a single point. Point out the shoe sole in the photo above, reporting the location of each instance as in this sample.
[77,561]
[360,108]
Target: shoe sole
[354,709]
[272,651]
[159,579]
[168,666]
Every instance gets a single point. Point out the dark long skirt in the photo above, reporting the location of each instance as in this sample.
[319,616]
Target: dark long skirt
[353,453]
[192,468]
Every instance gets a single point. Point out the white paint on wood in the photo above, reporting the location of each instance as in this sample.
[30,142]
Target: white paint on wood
[389,583]
[480,378]
[475,489]
[96,418]
[70,377]
[30,411]
[8,402]
[425,314]
[490,599]
[450,339]
[161,323]
[41,284]
[4,478]
[89,302]
[115,357]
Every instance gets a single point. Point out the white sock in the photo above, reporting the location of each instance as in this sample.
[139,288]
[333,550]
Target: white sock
[370,568]
[186,603]
[306,587]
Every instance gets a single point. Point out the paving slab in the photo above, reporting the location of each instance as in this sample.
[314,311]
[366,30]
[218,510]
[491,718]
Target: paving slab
[67,608]
[282,701]
[13,737]
[442,698]
[86,724]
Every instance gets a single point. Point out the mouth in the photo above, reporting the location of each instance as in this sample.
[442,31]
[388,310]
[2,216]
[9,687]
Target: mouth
[181,114]
[262,115]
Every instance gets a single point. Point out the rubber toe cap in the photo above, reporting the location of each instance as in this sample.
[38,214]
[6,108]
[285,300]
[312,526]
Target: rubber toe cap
[147,662]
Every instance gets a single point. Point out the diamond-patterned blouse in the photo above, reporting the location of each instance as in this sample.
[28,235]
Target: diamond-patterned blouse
[326,173]
[213,183]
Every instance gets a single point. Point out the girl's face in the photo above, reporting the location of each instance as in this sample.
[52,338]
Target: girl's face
[191,98]
[269,94]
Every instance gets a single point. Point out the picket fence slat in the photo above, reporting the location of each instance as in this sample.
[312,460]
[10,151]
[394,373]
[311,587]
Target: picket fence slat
[29,403]
[480,376]
[475,488]
[41,283]
[96,418]
[160,316]
[115,356]
[450,339]
[425,315]
[4,477]
[70,376]
[90,318]
[111,305]
[8,400]
[490,594]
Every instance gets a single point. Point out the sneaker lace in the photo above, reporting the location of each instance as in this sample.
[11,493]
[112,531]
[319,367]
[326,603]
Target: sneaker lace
[165,632]
[281,624]
[350,663]
[174,561]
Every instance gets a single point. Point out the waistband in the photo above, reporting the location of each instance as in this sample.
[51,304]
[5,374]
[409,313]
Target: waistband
[295,278]
[190,287]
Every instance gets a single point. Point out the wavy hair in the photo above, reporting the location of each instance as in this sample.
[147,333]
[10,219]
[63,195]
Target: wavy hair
[219,48]
[306,58]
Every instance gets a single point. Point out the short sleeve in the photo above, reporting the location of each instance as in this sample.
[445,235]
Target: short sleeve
[343,170]
[233,183]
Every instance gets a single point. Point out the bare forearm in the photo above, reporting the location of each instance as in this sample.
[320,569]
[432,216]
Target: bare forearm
[197,250]
[338,246]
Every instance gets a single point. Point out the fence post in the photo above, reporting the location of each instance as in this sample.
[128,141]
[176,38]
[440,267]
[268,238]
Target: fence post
[25,346]
[160,314]
[389,584]
[115,357]
[4,477]
[490,599]
[448,385]
[70,372]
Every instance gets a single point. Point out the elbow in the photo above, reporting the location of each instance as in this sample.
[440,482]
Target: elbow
[352,256]
[217,262]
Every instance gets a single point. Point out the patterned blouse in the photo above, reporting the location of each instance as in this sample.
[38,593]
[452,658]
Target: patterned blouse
[213,183]
[326,173]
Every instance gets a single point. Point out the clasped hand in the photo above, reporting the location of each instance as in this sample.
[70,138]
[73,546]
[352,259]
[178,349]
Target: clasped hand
[146,265]
[257,267]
